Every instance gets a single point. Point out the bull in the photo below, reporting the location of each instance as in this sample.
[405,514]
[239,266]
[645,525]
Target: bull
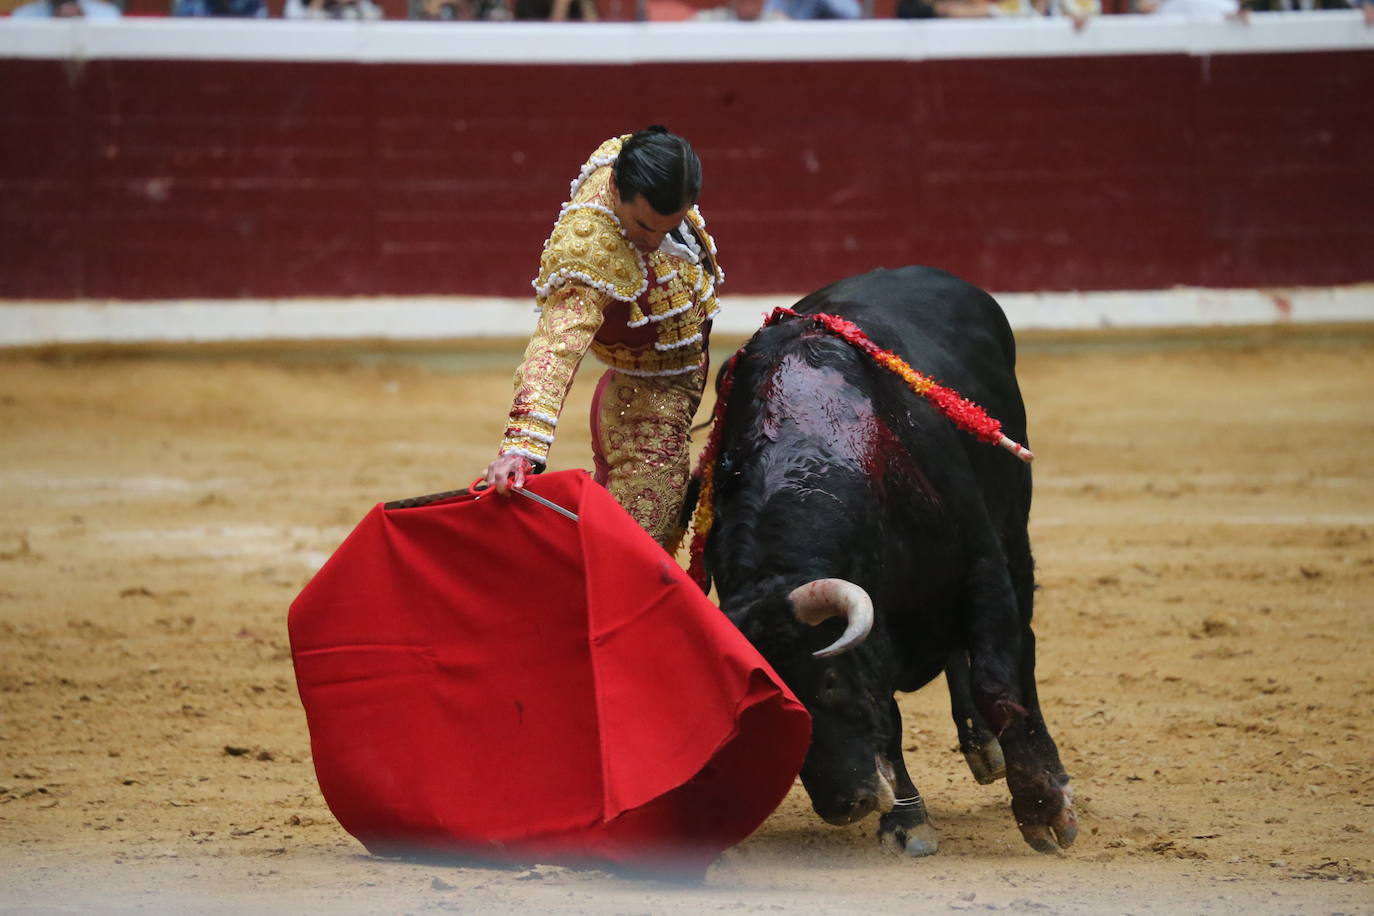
[864,545]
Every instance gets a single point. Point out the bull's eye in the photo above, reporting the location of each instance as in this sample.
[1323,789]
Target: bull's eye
[830,685]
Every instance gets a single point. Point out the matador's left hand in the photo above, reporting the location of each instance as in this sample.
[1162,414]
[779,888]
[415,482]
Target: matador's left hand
[508,471]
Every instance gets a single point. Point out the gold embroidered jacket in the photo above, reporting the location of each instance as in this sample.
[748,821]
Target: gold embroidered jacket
[639,314]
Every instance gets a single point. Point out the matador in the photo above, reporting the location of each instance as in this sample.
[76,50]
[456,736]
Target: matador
[630,273]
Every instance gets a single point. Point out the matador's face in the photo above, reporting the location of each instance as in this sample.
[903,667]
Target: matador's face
[644,226]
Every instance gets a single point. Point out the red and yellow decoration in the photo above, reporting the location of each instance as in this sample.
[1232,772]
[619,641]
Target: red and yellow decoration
[706,496]
[965,414]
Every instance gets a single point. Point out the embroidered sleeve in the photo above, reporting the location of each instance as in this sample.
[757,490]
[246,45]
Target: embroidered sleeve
[571,316]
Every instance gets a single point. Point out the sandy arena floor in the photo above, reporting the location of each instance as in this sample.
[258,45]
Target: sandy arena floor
[1203,523]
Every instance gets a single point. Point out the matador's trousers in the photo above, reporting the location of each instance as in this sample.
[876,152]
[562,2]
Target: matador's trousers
[641,443]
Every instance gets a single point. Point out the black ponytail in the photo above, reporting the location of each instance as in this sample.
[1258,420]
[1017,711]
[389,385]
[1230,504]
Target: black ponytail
[662,167]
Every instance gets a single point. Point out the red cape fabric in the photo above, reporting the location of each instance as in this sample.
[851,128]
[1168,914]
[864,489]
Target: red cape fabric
[485,677]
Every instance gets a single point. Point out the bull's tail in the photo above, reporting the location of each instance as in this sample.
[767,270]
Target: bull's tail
[995,685]
[997,646]
[689,501]
[998,712]
[685,513]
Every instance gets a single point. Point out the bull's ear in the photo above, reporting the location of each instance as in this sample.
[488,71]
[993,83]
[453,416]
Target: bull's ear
[821,599]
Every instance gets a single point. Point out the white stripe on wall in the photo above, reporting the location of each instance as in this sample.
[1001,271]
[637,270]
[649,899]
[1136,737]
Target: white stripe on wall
[29,324]
[532,43]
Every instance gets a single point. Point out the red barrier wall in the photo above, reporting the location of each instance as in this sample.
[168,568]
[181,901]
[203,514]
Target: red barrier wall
[153,179]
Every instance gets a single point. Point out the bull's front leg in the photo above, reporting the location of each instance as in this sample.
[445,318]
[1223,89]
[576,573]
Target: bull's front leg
[1041,797]
[1035,774]
[1002,683]
[906,827]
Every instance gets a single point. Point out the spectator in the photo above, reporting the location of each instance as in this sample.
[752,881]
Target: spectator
[243,9]
[1077,10]
[491,10]
[735,10]
[1294,6]
[1195,8]
[812,9]
[66,9]
[556,10]
[331,9]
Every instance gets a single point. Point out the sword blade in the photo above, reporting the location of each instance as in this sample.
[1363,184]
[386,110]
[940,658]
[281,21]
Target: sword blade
[544,502]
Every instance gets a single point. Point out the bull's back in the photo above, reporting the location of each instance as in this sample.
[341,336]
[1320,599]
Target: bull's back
[937,481]
[955,333]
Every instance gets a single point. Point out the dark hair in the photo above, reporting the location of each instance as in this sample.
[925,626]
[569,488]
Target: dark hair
[661,166]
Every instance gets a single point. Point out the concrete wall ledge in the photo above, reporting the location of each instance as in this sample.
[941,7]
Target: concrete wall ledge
[419,319]
[536,44]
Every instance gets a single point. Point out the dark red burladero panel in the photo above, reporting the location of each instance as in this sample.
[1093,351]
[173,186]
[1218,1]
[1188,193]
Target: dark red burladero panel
[171,179]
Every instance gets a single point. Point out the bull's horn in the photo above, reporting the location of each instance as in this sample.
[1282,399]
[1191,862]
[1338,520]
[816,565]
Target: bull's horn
[822,599]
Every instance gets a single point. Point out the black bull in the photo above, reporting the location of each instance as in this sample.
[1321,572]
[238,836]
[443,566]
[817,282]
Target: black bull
[829,467]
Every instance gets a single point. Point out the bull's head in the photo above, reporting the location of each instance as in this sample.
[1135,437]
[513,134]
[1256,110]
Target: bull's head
[846,771]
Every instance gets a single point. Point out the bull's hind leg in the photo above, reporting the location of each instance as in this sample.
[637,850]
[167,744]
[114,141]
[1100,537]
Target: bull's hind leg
[906,827]
[1042,798]
[976,741]
[1002,676]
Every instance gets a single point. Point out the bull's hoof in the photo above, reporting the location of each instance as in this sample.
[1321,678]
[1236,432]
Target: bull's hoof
[918,841]
[986,763]
[915,840]
[1058,834]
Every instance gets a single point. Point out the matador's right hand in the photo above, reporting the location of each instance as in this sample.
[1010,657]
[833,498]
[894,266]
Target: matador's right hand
[508,471]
